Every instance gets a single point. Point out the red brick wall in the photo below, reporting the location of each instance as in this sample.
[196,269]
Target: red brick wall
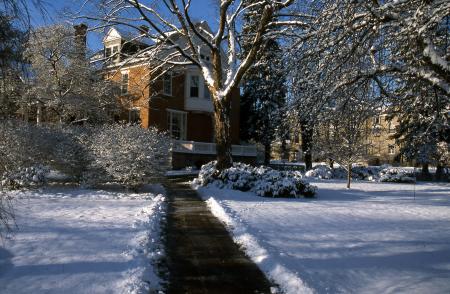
[153,110]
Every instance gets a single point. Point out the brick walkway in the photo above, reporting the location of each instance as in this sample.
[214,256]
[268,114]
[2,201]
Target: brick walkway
[202,257]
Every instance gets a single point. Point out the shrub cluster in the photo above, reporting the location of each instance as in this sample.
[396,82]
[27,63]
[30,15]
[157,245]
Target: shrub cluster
[125,154]
[34,176]
[264,181]
[396,175]
[371,173]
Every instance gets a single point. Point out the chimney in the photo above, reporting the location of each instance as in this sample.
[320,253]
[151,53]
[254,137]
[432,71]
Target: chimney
[80,38]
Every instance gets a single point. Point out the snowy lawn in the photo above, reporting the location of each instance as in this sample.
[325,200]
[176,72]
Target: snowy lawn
[374,238]
[82,241]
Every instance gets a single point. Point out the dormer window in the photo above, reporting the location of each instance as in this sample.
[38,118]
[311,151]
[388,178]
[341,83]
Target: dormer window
[112,51]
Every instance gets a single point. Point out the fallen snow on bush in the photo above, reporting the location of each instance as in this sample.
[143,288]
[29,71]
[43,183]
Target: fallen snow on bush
[83,241]
[320,171]
[396,175]
[34,176]
[374,238]
[263,181]
[370,173]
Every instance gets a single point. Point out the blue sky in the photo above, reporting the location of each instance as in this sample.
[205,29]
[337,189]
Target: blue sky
[57,13]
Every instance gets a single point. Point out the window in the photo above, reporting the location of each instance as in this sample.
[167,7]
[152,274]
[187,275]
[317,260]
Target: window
[206,93]
[124,84]
[376,131]
[167,84]
[115,53]
[376,120]
[108,52]
[176,124]
[391,128]
[194,89]
[134,116]
[391,149]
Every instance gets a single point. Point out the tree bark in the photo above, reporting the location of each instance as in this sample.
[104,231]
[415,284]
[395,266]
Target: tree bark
[425,169]
[331,162]
[349,175]
[307,137]
[439,172]
[222,126]
[267,153]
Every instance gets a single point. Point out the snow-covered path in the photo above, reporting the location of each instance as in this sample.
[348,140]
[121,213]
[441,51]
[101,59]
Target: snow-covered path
[374,238]
[82,241]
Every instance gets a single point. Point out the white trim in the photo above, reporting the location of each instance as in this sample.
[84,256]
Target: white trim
[175,110]
[192,147]
[183,123]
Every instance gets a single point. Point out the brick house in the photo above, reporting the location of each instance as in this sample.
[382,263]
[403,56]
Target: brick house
[177,102]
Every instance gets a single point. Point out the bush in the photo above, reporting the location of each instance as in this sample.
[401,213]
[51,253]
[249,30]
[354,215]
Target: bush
[25,178]
[396,175]
[320,171]
[129,155]
[22,145]
[263,181]
[358,172]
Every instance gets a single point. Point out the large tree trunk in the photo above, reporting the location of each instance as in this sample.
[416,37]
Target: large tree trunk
[425,169]
[267,153]
[307,138]
[349,175]
[222,126]
[439,172]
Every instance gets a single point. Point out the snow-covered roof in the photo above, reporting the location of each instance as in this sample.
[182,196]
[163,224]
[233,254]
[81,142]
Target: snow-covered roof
[115,33]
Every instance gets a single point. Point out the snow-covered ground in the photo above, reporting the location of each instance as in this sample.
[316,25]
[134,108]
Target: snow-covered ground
[374,238]
[83,241]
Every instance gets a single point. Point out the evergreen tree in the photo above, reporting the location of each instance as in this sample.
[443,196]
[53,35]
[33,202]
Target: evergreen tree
[424,130]
[263,91]
[11,40]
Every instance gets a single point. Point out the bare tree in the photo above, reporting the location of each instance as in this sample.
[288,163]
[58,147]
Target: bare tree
[171,17]
[63,83]
[342,136]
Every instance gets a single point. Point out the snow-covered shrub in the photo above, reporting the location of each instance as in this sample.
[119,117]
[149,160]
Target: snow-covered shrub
[263,181]
[126,154]
[358,172]
[25,177]
[320,171]
[24,151]
[369,173]
[396,175]
[22,145]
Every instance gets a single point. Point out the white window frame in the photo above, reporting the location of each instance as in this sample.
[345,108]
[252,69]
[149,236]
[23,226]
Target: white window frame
[167,79]
[182,115]
[191,76]
[130,115]
[203,91]
[377,120]
[122,84]
[391,149]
